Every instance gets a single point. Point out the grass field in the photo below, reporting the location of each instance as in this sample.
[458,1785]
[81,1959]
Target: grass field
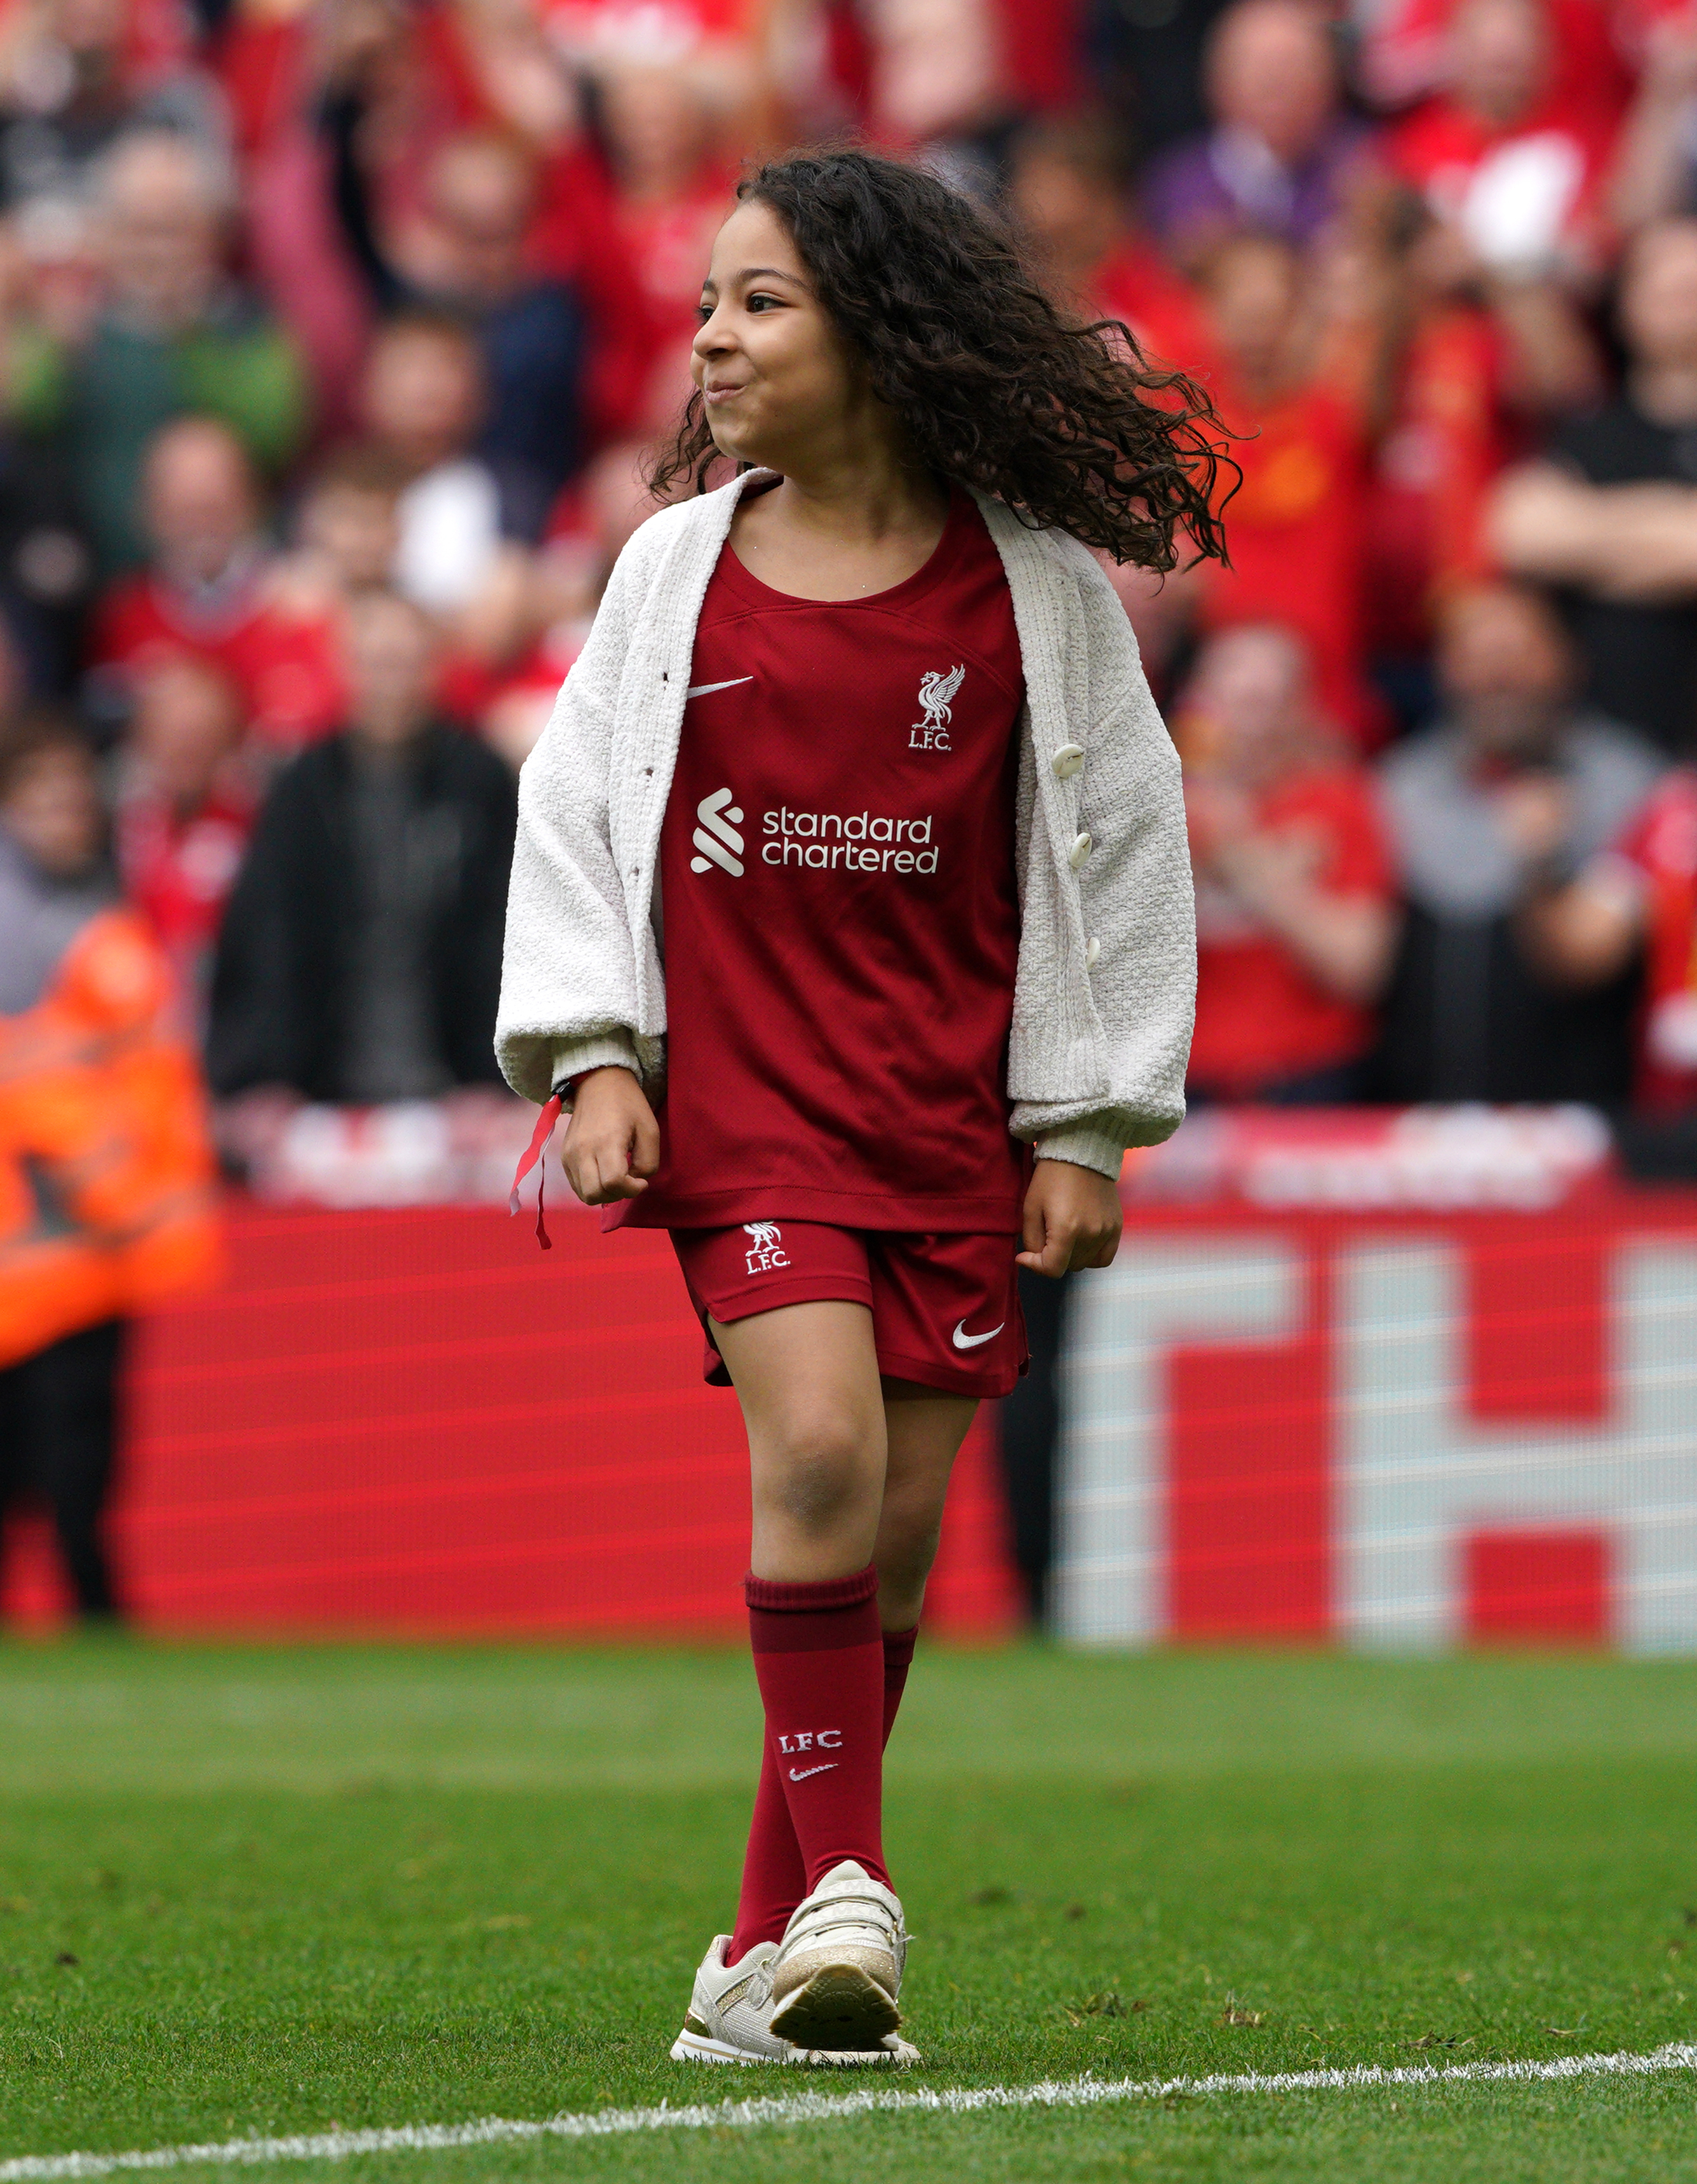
[272,1891]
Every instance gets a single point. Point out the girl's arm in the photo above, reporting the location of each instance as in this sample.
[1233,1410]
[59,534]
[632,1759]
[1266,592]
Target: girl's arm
[568,977]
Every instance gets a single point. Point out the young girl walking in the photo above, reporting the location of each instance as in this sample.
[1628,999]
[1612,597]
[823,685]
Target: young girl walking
[851,918]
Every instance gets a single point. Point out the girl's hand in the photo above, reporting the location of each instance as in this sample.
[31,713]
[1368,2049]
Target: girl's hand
[612,1142]
[1072,1218]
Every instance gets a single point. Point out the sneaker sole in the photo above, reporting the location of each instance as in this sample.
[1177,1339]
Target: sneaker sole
[838,2007]
[700,2048]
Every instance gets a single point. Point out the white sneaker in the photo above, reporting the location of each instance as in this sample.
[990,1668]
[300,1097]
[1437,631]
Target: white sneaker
[730,2018]
[838,1968]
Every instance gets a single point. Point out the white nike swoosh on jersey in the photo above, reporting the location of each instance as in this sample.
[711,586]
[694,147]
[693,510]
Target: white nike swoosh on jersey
[707,690]
[963,1340]
[801,1773]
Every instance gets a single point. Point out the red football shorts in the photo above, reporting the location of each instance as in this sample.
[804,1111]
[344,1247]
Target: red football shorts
[945,1309]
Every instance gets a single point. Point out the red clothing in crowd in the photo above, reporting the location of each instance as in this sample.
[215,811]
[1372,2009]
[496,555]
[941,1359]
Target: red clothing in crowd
[1137,285]
[1262,1019]
[841,916]
[286,666]
[178,870]
[1442,147]
[1403,52]
[1296,526]
[1661,843]
[1431,474]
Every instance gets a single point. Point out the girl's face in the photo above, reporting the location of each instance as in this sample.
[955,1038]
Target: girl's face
[776,378]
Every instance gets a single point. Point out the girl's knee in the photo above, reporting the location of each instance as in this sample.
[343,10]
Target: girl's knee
[817,1478]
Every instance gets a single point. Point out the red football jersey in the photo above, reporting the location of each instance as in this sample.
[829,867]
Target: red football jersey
[178,872]
[1294,526]
[840,912]
[1260,1015]
[286,667]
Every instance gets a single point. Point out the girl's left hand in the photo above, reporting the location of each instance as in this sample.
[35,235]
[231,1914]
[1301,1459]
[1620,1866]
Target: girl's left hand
[1072,1218]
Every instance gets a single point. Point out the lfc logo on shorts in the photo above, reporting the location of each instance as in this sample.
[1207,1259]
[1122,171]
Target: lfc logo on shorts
[936,689]
[766,1252]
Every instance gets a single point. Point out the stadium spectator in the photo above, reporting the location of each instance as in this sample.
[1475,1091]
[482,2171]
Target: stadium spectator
[1280,154]
[1068,184]
[105,1177]
[1502,156]
[185,811]
[464,254]
[464,523]
[1655,165]
[1479,367]
[1640,894]
[1295,910]
[211,592]
[1068,192]
[1296,521]
[173,335]
[72,82]
[662,130]
[360,955]
[1491,810]
[347,530]
[1609,515]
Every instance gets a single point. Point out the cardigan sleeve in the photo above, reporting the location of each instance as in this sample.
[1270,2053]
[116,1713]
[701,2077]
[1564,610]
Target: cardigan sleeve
[1138,909]
[568,977]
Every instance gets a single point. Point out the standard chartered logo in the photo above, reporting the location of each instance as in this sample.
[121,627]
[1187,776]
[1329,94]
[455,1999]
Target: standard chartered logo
[847,841]
[816,841]
[716,834]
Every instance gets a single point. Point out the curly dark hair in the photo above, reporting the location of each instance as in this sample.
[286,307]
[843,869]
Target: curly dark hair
[1060,418]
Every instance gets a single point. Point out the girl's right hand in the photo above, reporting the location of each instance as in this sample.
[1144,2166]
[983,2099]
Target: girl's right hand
[612,1142]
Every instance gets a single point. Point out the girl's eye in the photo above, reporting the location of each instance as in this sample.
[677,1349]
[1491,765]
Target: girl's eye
[759,303]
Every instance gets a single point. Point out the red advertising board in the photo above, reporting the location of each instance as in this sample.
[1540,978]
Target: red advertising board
[1377,1380]
[413,1421]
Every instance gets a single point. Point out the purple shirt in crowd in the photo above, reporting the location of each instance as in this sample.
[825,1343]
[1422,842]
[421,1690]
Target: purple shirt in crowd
[1228,182]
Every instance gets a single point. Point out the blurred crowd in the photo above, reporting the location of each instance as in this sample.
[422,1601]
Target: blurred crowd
[333,334]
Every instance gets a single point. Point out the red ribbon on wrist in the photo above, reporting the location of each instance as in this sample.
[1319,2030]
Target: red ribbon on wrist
[533,1158]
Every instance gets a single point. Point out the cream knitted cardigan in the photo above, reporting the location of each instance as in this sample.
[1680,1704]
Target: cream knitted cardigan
[1105,995]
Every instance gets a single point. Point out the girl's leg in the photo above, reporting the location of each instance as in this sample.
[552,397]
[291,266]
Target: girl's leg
[923,1432]
[807,1377]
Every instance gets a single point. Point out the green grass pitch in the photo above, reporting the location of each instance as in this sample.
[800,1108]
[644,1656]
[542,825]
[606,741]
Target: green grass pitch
[272,1890]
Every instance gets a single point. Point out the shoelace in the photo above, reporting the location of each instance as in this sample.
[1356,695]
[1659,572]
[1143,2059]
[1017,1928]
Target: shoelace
[824,1918]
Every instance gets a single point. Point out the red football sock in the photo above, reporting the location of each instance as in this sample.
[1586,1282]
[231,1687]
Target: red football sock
[898,1647]
[773,1878]
[819,1657]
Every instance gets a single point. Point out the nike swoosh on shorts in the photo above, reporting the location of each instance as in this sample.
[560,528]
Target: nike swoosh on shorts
[963,1340]
[801,1773]
[707,690]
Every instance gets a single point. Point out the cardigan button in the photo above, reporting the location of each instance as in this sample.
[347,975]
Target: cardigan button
[1068,760]
[1082,847]
[1092,953]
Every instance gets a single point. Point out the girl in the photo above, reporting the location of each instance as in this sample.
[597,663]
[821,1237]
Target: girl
[851,917]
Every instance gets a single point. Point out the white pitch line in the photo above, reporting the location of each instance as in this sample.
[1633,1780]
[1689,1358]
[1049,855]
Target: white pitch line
[819,2108]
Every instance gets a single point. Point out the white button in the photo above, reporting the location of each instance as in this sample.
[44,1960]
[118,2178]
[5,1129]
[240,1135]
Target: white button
[1080,850]
[1092,951]
[1068,760]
